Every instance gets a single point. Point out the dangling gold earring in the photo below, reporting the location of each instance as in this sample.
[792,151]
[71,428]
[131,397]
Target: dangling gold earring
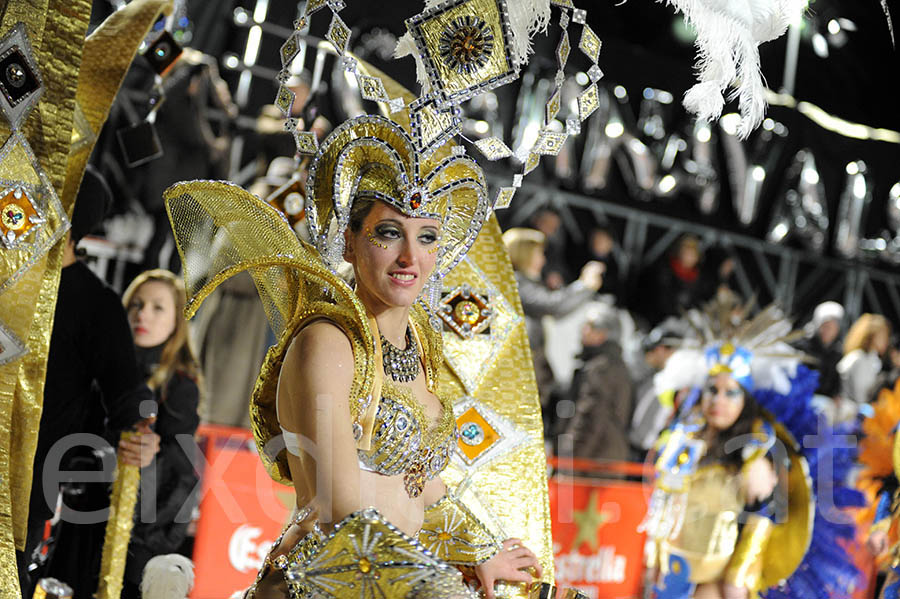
[371,237]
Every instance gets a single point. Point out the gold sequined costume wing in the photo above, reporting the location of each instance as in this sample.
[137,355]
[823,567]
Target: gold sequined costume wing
[220,230]
[499,469]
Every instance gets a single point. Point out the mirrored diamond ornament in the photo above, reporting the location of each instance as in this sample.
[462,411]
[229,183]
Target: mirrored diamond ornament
[18,215]
[466,311]
[573,126]
[372,88]
[465,46]
[396,104]
[338,34]
[484,434]
[588,102]
[301,24]
[11,347]
[337,5]
[552,108]
[563,3]
[32,218]
[579,15]
[559,78]
[314,5]
[473,358]
[349,63]
[504,198]
[21,85]
[564,19]
[307,142]
[531,162]
[563,49]
[432,127]
[284,100]
[517,180]
[549,143]
[590,44]
[290,49]
[493,148]
[595,73]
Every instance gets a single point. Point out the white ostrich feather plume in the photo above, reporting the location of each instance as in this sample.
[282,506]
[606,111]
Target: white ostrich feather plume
[728,36]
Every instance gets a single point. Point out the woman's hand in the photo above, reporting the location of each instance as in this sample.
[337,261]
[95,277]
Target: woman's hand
[877,542]
[759,480]
[138,449]
[510,565]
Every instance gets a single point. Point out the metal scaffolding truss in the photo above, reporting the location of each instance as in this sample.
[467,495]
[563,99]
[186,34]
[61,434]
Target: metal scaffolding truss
[795,279]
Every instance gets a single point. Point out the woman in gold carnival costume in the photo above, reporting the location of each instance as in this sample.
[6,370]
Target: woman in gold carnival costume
[350,390]
[734,511]
[349,407]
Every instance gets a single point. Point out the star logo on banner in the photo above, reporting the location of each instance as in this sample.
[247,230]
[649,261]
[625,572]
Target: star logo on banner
[589,521]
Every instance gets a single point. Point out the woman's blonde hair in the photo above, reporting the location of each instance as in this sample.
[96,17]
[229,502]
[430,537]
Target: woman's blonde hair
[864,330]
[521,243]
[177,355]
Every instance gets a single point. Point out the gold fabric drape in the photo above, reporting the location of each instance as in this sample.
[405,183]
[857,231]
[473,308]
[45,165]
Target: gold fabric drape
[79,77]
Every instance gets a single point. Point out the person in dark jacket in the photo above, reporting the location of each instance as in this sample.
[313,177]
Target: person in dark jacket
[680,282]
[526,252]
[601,390]
[155,304]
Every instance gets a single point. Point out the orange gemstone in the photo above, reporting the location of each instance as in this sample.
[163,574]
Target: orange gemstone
[365,566]
[415,201]
[444,536]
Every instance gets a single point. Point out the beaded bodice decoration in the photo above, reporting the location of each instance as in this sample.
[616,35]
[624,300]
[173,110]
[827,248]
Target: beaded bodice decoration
[402,443]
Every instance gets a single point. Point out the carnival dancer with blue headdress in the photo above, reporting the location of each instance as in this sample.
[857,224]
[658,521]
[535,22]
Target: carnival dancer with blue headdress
[749,489]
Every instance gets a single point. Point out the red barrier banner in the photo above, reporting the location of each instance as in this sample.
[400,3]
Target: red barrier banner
[242,511]
[596,546]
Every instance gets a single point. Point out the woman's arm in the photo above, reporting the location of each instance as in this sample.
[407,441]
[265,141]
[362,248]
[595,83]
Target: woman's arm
[313,402]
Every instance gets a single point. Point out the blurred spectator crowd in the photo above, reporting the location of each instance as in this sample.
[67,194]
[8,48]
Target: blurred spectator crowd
[596,349]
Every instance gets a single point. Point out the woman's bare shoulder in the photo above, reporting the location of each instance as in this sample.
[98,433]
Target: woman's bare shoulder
[320,349]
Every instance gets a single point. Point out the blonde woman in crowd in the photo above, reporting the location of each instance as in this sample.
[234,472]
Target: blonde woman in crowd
[155,305]
[864,346]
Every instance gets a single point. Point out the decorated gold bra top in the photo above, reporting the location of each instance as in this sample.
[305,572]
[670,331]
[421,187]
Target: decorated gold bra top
[402,443]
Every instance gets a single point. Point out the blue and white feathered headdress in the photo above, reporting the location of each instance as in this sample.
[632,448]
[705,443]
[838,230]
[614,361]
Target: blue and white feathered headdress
[756,352]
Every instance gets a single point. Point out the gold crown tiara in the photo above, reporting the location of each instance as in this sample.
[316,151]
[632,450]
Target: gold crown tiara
[375,158]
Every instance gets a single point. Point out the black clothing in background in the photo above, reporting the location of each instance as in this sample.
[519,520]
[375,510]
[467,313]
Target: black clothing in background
[163,528]
[826,363]
[602,392]
[90,343]
[92,376]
